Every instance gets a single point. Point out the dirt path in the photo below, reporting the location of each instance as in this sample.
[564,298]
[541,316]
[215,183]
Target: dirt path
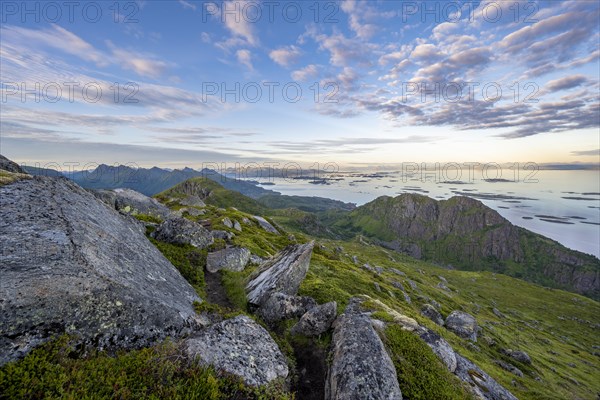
[215,292]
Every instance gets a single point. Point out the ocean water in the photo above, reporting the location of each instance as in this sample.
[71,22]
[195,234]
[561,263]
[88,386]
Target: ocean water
[561,205]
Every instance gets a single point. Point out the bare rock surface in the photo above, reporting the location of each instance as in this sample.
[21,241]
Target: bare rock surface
[360,367]
[266,225]
[463,324]
[131,202]
[283,273]
[317,320]
[282,306]
[183,231]
[231,259]
[241,347]
[72,264]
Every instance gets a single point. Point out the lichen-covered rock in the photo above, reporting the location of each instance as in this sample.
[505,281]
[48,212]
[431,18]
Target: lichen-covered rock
[183,231]
[266,225]
[241,347]
[231,259]
[10,166]
[519,356]
[360,366]
[509,367]
[191,211]
[192,201]
[224,235]
[72,264]
[227,222]
[316,321]
[482,385]
[283,273]
[129,201]
[440,347]
[282,306]
[237,226]
[430,312]
[462,324]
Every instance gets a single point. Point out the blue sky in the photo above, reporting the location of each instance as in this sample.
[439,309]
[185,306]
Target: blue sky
[397,81]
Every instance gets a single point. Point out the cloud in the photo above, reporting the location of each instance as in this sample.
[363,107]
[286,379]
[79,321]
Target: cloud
[285,56]
[586,153]
[568,82]
[306,73]
[141,65]
[236,23]
[187,5]
[245,57]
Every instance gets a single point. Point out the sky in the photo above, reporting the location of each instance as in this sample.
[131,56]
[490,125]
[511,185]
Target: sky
[182,83]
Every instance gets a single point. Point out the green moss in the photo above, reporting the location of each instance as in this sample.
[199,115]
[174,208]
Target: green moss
[422,376]
[382,316]
[53,371]
[188,260]
[10,177]
[148,218]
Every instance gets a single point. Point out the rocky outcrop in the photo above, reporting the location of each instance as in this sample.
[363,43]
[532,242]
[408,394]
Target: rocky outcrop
[183,231]
[72,264]
[10,166]
[241,347]
[283,273]
[316,321]
[430,312]
[517,355]
[440,347]
[469,235]
[281,306]
[462,324]
[131,202]
[266,225]
[482,385]
[231,259]
[360,366]
[192,201]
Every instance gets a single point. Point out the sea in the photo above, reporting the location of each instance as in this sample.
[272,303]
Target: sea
[563,205]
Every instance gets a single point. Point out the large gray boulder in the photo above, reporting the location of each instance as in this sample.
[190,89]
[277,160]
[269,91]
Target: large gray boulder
[241,347]
[192,201]
[71,264]
[231,259]
[440,347]
[183,231]
[316,320]
[10,166]
[518,355]
[482,385]
[430,312]
[360,367]
[282,306]
[283,273]
[462,324]
[131,202]
[266,225]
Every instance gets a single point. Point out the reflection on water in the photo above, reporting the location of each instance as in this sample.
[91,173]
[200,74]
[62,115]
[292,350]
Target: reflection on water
[562,205]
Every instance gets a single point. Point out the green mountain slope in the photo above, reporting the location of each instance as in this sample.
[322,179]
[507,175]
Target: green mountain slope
[464,233]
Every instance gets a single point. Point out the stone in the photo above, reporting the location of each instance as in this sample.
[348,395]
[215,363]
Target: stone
[10,166]
[227,222]
[183,231]
[440,347]
[377,287]
[397,272]
[237,226]
[481,384]
[462,324]
[509,367]
[223,235]
[430,312]
[230,259]
[191,211]
[266,225]
[129,201]
[254,259]
[519,356]
[283,273]
[192,201]
[316,321]
[412,284]
[360,365]
[241,347]
[398,285]
[70,264]
[282,306]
